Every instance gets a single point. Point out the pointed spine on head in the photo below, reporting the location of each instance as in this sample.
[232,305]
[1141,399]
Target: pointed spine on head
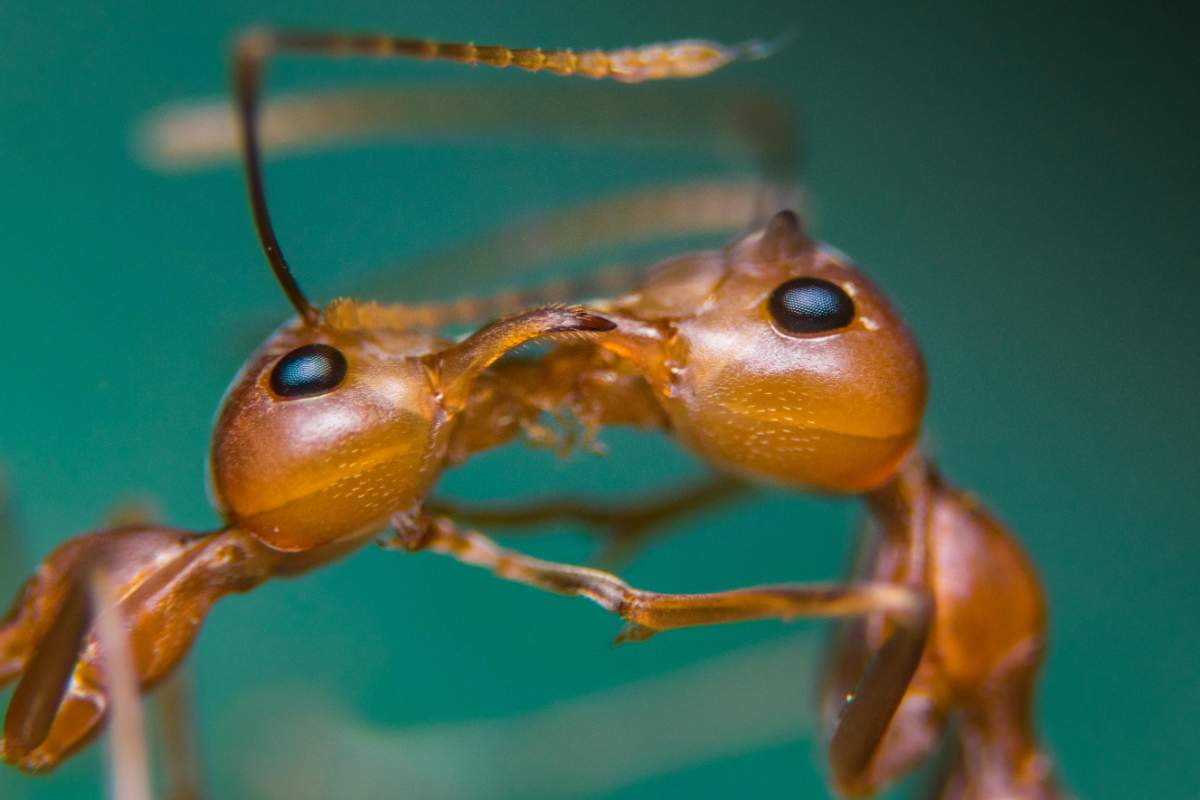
[784,237]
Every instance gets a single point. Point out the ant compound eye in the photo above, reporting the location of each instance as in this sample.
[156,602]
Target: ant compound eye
[810,305]
[308,371]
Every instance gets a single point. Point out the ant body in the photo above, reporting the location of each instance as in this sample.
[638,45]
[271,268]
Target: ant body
[776,360]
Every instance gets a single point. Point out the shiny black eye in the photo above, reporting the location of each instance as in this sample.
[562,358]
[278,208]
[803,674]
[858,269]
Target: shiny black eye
[810,305]
[308,370]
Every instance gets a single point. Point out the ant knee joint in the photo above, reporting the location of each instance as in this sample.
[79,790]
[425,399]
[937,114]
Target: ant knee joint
[411,531]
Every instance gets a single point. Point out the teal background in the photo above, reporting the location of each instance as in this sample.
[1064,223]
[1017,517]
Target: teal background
[1022,181]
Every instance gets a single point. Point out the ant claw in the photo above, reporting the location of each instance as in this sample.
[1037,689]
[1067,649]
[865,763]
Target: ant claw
[633,633]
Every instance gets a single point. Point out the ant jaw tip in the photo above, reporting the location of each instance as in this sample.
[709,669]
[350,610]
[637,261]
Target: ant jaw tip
[592,322]
[580,321]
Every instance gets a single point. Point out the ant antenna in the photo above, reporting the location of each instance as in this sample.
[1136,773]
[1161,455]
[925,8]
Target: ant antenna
[250,54]
[683,59]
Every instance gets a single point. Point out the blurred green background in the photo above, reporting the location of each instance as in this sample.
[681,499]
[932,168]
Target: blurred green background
[1023,182]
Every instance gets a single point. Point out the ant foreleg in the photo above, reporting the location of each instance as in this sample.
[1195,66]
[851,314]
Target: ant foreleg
[868,711]
[622,528]
[166,580]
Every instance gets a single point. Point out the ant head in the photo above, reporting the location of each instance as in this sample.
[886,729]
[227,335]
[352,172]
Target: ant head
[340,421]
[323,434]
[778,358]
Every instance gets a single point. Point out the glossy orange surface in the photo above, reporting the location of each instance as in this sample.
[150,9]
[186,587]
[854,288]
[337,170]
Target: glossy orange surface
[829,411]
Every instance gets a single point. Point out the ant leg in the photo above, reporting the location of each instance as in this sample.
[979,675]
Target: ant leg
[945,780]
[167,580]
[1001,756]
[622,529]
[915,727]
[648,612]
[47,669]
[865,717]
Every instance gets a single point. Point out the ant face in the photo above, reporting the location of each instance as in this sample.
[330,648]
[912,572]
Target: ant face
[322,435]
[341,420]
[781,360]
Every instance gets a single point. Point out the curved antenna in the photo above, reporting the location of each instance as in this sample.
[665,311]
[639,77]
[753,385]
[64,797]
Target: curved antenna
[250,56]
[681,59]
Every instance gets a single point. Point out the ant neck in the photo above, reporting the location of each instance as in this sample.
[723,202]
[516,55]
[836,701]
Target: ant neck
[903,504]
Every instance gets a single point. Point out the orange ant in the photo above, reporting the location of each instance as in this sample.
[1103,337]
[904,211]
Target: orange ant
[772,359]
[775,359]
